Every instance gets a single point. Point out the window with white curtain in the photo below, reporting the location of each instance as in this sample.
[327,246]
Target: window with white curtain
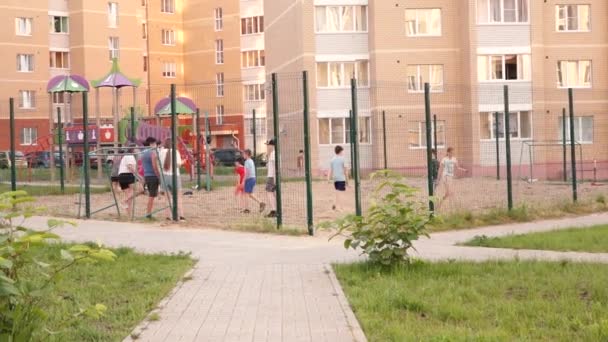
[583,130]
[168,37]
[574,74]
[23,26]
[59,24]
[341,19]
[27,99]
[25,62]
[219,84]
[339,74]
[520,125]
[219,51]
[114,47]
[573,18]
[252,59]
[219,19]
[169,69]
[333,131]
[167,6]
[502,11]
[417,134]
[418,75]
[219,114]
[254,92]
[113,14]
[252,25]
[29,136]
[504,68]
[423,22]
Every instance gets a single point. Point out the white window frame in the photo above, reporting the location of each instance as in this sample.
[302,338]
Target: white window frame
[344,78]
[346,132]
[219,51]
[502,14]
[417,23]
[61,24]
[491,117]
[219,19]
[565,75]
[168,37]
[354,9]
[28,139]
[261,57]
[169,70]
[578,123]
[254,92]
[219,84]
[26,24]
[521,60]
[220,112]
[167,6]
[29,101]
[257,25]
[53,59]
[565,21]
[113,16]
[114,47]
[260,126]
[28,59]
[420,82]
[421,131]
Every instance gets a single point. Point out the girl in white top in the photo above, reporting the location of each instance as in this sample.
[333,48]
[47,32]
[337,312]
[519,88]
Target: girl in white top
[126,178]
[167,171]
[447,172]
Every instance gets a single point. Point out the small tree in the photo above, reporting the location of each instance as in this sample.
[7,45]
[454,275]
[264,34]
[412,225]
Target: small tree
[393,222]
[22,294]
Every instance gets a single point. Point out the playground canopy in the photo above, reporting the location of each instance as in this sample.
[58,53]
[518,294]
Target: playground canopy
[115,79]
[68,84]
[183,105]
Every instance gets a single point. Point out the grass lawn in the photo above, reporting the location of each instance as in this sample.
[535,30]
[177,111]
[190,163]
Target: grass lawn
[593,239]
[51,190]
[493,301]
[130,287]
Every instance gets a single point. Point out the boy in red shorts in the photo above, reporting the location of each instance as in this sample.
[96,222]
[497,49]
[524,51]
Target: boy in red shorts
[239,170]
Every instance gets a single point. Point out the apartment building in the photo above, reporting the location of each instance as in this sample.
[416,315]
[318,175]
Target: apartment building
[213,51]
[467,50]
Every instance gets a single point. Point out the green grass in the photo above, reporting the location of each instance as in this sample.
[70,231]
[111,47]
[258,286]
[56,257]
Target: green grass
[130,287]
[593,239]
[492,301]
[266,226]
[51,190]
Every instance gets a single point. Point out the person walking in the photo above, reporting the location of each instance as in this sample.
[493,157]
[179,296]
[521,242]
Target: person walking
[151,170]
[239,170]
[127,167]
[166,158]
[337,174]
[250,180]
[448,167]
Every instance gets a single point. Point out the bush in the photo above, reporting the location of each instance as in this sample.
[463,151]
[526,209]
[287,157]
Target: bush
[393,222]
[22,315]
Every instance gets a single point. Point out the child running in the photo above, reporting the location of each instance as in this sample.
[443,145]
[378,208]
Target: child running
[239,170]
[337,173]
[448,168]
[250,179]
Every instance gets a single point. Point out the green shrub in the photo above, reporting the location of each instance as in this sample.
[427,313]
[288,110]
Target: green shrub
[393,222]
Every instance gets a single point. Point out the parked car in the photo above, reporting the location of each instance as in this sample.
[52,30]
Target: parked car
[77,159]
[42,159]
[5,161]
[226,156]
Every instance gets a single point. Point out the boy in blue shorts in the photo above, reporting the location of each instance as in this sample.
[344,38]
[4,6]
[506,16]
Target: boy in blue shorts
[250,179]
[337,173]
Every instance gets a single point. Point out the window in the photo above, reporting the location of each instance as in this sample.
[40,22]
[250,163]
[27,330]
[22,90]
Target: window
[520,125]
[59,24]
[502,11]
[145,63]
[417,134]
[573,18]
[219,19]
[252,25]
[59,59]
[219,51]
[27,99]
[219,114]
[169,69]
[25,63]
[341,19]
[337,131]
[574,74]
[338,74]
[59,98]
[23,26]
[168,37]
[583,129]
[504,68]
[29,136]
[254,92]
[252,59]
[219,84]
[418,75]
[423,22]
[114,47]
[112,14]
[144,31]
[167,6]
[260,127]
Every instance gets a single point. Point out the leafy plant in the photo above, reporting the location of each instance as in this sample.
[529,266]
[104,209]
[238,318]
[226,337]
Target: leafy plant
[22,313]
[393,222]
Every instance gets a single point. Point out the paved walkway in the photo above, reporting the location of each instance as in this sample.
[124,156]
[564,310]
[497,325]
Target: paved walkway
[251,287]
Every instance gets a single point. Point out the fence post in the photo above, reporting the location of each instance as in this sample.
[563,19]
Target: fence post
[572,145]
[355,129]
[133,130]
[60,142]
[384,140]
[207,156]
[497,134]
[435,145]
[277,149]
[174,153]
[307,161]
[351,135]
[85,155]
[198,148]
[11,102]
[564,142]
[429,144]
[255,143]
[508,149]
